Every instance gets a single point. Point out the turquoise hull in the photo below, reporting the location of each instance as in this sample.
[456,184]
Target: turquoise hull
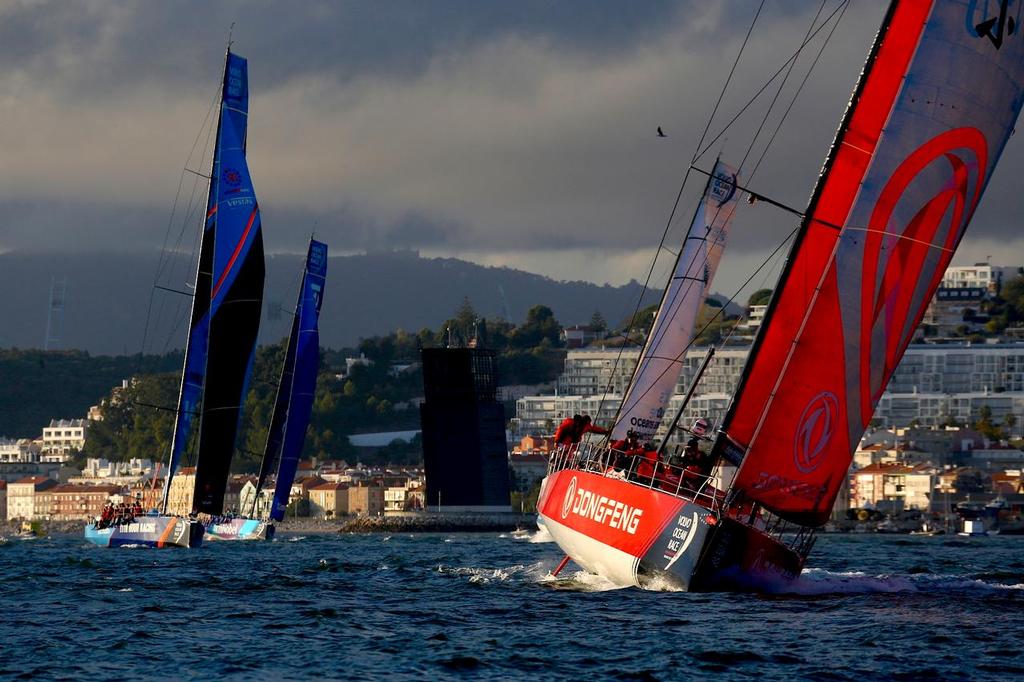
[240,529]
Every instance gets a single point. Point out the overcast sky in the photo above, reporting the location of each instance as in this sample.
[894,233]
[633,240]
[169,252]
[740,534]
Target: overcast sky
[514,133]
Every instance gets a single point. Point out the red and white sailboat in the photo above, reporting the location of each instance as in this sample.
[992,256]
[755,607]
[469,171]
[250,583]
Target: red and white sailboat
[937,100]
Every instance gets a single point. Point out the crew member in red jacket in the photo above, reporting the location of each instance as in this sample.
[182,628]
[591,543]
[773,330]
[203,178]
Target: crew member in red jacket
[566,432]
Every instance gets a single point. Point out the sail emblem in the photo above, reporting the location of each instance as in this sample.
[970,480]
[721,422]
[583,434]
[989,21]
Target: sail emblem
[937,186]
[570,492]
[994,28]
[814,431]
[232,177]
[723,187]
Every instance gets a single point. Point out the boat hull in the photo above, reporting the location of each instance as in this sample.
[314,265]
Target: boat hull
[240,529]
[148,531]
[638,536]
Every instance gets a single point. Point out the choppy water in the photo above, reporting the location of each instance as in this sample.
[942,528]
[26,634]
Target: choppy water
[483,607]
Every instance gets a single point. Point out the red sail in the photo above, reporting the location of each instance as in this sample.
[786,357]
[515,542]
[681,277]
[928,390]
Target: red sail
[938,99]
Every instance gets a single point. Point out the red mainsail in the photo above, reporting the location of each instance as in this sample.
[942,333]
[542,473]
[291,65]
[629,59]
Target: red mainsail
[937,100]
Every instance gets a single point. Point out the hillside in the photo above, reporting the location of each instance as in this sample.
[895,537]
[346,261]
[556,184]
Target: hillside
[367,294]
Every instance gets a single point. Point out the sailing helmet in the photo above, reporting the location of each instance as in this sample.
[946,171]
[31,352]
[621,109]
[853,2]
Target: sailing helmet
[700,427]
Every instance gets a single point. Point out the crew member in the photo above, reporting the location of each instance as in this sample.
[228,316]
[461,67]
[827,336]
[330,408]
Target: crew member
[566,432]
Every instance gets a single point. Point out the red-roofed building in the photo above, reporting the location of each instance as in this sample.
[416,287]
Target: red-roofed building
[29,498]
[328,500]
[82,502]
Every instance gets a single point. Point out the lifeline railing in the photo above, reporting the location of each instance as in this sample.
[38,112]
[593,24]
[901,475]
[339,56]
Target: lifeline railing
[667,478]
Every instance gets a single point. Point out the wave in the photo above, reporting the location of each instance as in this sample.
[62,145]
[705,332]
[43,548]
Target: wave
[817,581]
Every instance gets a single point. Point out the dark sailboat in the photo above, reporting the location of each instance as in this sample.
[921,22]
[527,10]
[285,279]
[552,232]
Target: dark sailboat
[934,107]
[292,408]
[224,323]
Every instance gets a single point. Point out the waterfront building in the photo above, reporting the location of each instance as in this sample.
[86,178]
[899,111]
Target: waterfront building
[18,450]
[30,498]
[954,311]
[62,437]
[245,499]
[979,275]
[364,500]
[892,487]
[3,499]
[328,500]
[82,502]
[179,496]
[933,386]
[578,336]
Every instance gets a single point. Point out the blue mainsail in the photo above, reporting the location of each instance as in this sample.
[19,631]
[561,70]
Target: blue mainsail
[236,294]
[295,392]
[227,303]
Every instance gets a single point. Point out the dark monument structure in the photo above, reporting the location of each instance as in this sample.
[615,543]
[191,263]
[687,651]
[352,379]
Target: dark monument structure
[465,457]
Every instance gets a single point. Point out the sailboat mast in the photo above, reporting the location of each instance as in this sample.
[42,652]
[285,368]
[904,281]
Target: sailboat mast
[182,408]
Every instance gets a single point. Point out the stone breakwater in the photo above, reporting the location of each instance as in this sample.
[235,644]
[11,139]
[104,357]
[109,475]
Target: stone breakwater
[440,523]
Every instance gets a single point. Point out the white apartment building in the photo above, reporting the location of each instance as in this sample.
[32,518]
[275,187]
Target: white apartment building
[592,372]
[30,498]
[20,450]
[61,437]
[932,384]
[979,275]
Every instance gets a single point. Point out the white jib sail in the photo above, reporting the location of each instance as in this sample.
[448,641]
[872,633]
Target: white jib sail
[662,361]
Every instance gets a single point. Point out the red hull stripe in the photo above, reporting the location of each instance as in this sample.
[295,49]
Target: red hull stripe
[238,249]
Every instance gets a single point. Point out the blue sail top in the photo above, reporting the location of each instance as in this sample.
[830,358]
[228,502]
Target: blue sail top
[298,383]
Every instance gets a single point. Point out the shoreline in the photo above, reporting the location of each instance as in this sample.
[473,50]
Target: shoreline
[426,523]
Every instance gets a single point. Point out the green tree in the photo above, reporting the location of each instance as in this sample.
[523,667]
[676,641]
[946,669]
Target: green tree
[760,297]
[597,322]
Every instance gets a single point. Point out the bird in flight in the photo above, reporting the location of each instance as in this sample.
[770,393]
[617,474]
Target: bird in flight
[661,133]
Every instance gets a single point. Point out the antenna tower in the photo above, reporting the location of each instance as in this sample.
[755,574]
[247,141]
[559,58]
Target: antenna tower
[55,314]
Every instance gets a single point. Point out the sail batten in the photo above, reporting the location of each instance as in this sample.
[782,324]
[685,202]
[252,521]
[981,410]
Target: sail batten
[911,159]
[661,363]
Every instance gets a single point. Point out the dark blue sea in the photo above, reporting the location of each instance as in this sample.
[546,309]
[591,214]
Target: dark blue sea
[483,607]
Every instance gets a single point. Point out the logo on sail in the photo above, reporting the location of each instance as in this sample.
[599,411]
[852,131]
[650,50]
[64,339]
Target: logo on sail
[723,187]
[915,224]
[570,493]
[814,431]
[232,177]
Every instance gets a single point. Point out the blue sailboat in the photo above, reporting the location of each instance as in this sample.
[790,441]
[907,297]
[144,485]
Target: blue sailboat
[221,342]
[292,407]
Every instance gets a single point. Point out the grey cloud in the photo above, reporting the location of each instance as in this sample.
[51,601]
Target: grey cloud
[469,127]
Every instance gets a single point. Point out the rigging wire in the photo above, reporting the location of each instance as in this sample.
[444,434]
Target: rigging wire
[767,83]
[164,258]
[799,90]
[811,32]
[675,204]
[782,85]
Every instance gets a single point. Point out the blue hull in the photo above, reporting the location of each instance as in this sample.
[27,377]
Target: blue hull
[240,529]
[148,531]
